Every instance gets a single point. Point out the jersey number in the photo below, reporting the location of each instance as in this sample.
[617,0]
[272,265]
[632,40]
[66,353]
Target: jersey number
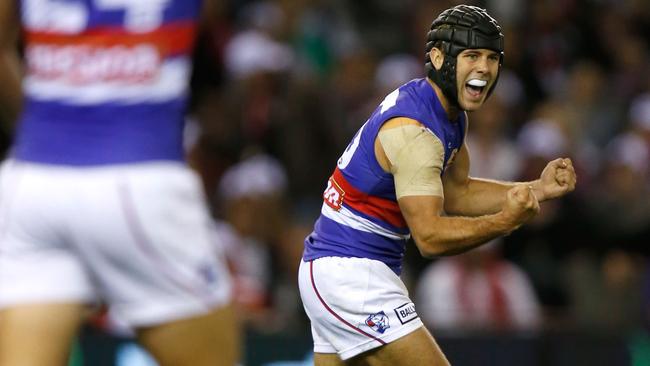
[344,160]
[67,17]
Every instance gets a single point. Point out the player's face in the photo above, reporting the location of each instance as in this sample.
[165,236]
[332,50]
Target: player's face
[476,70]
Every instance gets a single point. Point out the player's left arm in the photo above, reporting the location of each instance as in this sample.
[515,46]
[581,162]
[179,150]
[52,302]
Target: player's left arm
[469,196]
[10,64]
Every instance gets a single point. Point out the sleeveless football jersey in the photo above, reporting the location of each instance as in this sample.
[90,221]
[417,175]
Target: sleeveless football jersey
[360,216]
[106,80]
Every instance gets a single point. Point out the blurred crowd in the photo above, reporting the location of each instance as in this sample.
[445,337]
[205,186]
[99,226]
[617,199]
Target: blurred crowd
[280,87]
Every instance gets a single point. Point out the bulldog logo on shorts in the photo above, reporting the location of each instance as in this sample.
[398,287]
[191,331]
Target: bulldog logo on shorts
[378,322]
[207,273]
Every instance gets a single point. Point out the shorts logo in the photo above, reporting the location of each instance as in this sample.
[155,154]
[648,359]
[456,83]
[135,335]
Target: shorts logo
[406,312]
[333,195]
[378,322]
[207,273]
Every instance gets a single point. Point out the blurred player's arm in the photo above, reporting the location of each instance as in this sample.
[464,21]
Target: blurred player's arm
[10,65]
[469,196]
[415,156]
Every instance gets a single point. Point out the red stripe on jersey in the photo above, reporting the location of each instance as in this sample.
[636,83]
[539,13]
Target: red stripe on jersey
[170,39]
[377,207]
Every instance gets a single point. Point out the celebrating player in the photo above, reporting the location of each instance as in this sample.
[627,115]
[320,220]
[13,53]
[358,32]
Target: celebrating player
[405,174]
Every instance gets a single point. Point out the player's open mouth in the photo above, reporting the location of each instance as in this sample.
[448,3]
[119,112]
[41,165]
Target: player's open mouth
[475,87]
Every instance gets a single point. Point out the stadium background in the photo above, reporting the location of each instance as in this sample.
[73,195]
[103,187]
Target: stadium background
[281,86]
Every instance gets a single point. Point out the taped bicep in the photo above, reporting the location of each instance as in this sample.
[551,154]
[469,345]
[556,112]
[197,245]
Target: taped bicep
[416,157]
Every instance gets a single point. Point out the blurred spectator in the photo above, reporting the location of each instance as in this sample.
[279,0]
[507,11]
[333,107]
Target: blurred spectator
[605,294]
[550,42]
[493,155]
[623,189]
[511,93]
[509,12]
[395,70]
[592,112]
[324,32]
[262,246]
[477,291]
[639,116]
[632,55]
[252,52]
[251,193]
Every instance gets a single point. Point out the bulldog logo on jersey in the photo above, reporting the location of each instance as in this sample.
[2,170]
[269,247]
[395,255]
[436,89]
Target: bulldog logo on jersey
[378,322]
[333,195]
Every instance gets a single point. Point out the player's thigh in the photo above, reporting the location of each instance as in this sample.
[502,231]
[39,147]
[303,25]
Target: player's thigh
[415,349]
[327,359]
[211,339]
[39,334]
[355,305]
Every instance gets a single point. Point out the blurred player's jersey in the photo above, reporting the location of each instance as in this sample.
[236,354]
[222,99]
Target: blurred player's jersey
[106,80]
[360,216]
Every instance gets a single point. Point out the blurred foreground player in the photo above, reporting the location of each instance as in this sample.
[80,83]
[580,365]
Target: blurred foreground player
[404,174]
[96,201]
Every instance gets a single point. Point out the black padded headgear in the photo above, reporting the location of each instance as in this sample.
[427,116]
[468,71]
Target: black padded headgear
[455,30]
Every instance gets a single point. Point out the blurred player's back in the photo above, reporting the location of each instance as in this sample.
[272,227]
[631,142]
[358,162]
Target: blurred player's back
[98,203]
[106,80]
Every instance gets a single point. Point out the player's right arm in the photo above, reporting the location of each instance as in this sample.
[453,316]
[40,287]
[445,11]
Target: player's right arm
[438,235]
[415,156]
[10,74]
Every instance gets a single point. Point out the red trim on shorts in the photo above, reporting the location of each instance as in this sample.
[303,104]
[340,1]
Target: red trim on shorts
[337,316]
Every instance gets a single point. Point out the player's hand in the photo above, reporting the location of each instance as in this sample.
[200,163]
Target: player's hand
[557,179]
[520,206]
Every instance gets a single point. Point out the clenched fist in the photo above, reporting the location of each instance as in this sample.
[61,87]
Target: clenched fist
[557,179]
[520,205]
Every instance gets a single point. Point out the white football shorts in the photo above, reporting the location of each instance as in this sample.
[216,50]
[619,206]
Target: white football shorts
[354,304]
[137,237]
